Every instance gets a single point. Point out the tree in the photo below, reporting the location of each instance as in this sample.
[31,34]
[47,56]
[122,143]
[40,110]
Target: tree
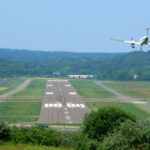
[131,136]
[4,131]
[105,120]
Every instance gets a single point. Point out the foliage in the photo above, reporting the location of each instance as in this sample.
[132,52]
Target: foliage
[119,66]
[35,135]
[98,124]
[107,129]
[131,135]
[4,131]
[78,141]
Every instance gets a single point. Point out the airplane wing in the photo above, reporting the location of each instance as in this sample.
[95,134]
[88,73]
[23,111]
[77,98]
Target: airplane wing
[127,41]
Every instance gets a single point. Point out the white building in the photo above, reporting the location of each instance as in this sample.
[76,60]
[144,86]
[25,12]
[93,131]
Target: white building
[81,76]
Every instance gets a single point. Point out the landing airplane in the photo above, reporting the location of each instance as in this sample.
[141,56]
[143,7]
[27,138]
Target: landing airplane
[142,41]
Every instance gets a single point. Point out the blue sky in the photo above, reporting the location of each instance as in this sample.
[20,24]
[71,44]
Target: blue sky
[72,25]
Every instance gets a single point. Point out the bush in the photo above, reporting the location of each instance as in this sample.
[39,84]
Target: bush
[131,136]
[4,131]
[78,141]
[137,134]
[36,135]
[114,141]
[105,120]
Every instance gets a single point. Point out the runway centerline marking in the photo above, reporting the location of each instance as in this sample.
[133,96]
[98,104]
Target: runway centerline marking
[49,93]
[72,93]
[68,85]
[66,112]
[50,85]
[68,117]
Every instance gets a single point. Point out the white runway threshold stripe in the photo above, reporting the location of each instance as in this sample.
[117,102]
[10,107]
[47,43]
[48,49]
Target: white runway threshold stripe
[59,105]
[72,93]
[55,105]
[49,93]
[71,105]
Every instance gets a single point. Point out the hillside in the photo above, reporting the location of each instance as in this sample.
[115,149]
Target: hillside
[113,66]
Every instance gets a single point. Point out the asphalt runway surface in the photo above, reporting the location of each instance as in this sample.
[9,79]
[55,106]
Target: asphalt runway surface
[62,104]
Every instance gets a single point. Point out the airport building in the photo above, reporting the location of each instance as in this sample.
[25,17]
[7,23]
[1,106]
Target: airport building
[77,76]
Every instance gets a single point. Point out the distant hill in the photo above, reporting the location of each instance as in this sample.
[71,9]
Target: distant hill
[113,66]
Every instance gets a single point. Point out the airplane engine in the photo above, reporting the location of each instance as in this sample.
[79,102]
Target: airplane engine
[132,45]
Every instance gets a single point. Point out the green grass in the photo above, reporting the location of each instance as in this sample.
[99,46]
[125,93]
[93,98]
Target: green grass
[133,89]
[88,89]
[35,90]
[19,111]
[96,97]
[19,119]
[25,105]
[9,146]
[131,108]
[12,83]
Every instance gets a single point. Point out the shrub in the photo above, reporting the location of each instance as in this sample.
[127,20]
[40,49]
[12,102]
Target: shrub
[131,136]
[113,141]
[36,135]
[105,120]
[137,134]
[78,141]
[4,131]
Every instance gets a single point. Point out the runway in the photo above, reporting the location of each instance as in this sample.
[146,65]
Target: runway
[62,104]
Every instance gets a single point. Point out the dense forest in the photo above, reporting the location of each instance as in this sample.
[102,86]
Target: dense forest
[110,66]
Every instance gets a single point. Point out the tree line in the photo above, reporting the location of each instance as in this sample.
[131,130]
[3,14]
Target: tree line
[105,66]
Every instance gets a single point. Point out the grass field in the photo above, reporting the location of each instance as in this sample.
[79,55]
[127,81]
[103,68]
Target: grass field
[130,108]
[28,147]
[88,89]
[19,111]
[134,89]
[35,90]
[24,106]
[11,83]
[96,97]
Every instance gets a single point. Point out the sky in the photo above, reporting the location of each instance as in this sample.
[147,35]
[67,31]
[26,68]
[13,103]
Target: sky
[72,25]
